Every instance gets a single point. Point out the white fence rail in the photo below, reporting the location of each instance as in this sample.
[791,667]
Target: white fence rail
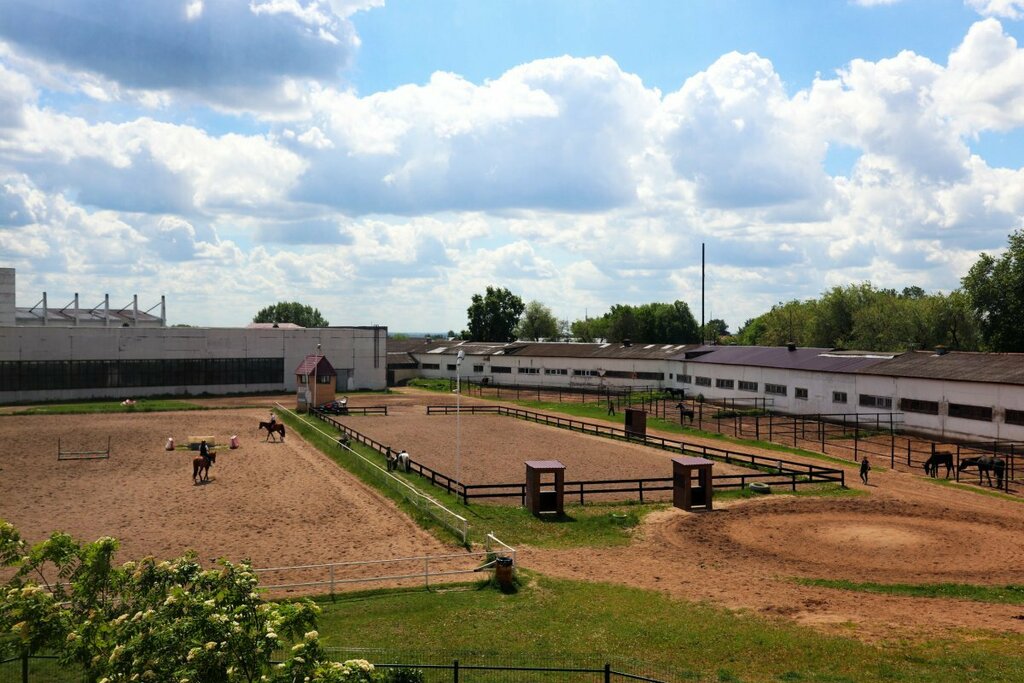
[447,518]
[394,572]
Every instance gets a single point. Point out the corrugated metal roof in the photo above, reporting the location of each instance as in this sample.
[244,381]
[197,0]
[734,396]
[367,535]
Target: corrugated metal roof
[551,349]
[963,366]
[812,359]
[315,365]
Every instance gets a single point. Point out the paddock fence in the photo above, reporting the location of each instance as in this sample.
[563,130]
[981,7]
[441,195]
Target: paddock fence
[436,667]
[395,572]
[431,507]
[774,471]
[878,436]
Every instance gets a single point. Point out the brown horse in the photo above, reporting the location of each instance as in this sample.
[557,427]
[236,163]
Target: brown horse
[272,428]
[201,467]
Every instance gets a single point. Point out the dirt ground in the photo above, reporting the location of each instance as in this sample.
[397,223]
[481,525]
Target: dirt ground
[278,504]
[285,503]
[747,554]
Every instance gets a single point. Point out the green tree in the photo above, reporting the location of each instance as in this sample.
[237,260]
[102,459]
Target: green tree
[151,620]
[494,315]
[714,330]
[589,329]
[621,323]
[538,322]
[291,312]
[995,292]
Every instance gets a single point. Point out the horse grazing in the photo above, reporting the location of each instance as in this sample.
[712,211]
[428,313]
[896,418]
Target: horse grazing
[201,467]
[986,464]
[931,465]
[272,428]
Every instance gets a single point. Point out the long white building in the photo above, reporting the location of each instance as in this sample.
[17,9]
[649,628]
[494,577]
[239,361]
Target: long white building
[954,394]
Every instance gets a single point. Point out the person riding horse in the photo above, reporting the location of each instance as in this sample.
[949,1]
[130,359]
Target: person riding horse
[201,463]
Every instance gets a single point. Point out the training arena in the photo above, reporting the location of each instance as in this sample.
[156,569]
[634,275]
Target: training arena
[287,504]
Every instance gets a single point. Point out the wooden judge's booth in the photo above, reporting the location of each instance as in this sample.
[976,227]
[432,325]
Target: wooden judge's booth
[316,380]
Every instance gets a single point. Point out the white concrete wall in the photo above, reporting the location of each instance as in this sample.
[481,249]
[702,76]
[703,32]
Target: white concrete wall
[358,353]
[541,363]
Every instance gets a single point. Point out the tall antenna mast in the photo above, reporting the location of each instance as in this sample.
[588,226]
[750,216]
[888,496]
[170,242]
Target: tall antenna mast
[702,335]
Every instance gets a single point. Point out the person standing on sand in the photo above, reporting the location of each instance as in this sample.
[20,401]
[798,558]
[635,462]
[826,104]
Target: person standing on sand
[865,467]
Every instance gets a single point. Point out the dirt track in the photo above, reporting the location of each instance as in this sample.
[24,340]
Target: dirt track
[274,503]
[286,503]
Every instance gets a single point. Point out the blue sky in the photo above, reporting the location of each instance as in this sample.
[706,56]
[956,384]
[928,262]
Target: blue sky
[384,160]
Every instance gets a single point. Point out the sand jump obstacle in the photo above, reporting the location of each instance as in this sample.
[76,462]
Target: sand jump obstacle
[82,455]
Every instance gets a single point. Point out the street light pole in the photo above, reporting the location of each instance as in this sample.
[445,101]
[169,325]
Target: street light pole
[309,389]
[458,415]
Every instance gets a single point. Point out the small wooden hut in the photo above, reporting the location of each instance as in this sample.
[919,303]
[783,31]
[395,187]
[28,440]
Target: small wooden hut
[316,380]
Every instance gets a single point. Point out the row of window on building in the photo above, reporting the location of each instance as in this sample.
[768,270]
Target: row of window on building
[907,405]
[110,374]
[506,369]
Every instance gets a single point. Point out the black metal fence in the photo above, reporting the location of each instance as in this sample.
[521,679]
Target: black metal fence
[435,668]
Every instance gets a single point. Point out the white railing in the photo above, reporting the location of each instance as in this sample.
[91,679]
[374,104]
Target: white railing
[425,568]
[447,518]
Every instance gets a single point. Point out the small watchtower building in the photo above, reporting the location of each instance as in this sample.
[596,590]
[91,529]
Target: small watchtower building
[317,382]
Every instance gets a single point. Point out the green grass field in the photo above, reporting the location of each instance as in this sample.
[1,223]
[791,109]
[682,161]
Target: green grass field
[683,641]
[141,406]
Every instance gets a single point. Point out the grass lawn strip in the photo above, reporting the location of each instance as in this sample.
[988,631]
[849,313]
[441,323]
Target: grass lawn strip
[1006,595]
[569,620]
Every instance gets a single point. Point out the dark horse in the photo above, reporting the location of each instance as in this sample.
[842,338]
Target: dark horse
[201,467]
[986,464]
[931,465]
[275,428]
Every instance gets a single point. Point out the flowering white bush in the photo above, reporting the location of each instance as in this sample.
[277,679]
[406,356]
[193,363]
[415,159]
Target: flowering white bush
[153,620]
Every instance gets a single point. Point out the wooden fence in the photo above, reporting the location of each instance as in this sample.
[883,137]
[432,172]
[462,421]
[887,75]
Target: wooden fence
[775,471]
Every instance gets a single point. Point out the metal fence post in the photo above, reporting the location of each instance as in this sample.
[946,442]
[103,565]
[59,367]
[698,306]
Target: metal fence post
[24,667]
[332,580]
[455,671]
[607,673]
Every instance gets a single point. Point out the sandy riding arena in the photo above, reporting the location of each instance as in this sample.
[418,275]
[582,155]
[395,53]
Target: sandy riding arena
[275,503]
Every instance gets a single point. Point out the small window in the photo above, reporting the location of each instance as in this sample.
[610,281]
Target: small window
[703,381]
[584,373]
[880,402]
[528,371]
[776,389]
[839,397]
[748,386]
[501,369]
[478,368]
[431,366]
[556,371]
[1014,417]
[724,383]
[800,393]
[451,367]
[685,379]
[966,412]
[323,379]
[914,405]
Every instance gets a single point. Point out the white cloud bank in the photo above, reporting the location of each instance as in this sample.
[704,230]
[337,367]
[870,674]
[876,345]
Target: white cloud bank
[565,179]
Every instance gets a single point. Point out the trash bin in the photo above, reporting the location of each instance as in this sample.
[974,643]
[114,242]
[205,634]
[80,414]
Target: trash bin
[503,567]
[234,441]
